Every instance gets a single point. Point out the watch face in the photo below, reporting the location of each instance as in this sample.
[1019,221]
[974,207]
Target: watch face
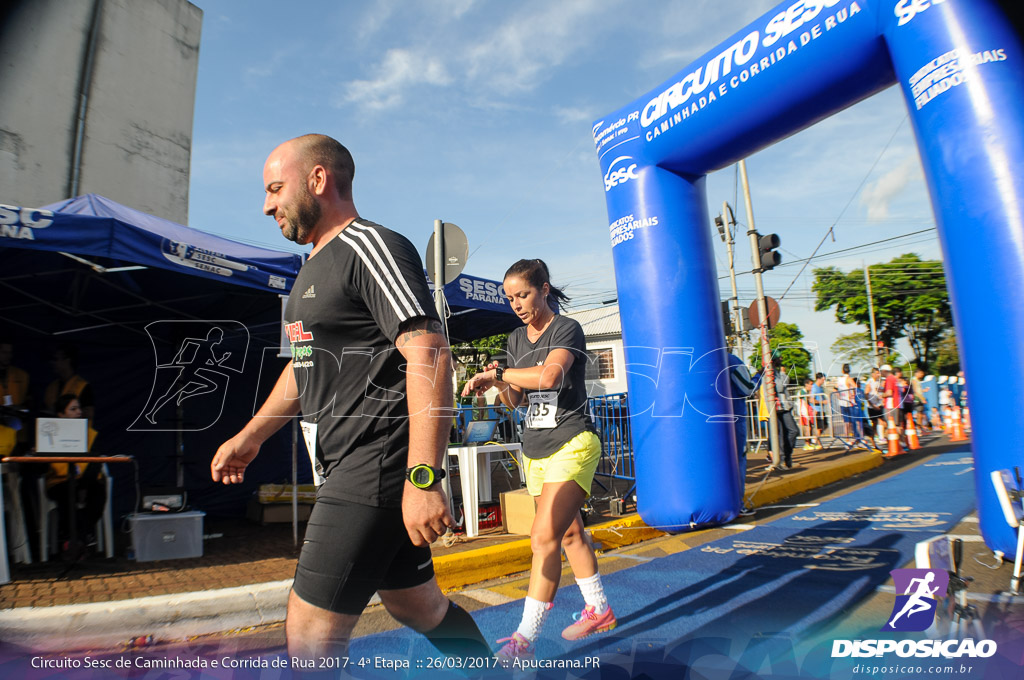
[422,476]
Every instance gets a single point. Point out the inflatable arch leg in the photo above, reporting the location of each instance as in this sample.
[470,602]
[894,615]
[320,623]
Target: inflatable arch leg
[961,67]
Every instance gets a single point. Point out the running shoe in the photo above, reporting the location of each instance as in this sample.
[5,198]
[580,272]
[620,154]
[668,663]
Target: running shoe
[588,623]
[515,647]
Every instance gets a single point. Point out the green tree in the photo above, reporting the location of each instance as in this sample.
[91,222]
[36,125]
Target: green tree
[947,361]
[909,297]
[858,350]
[471,357]
[786,342]
[855,349]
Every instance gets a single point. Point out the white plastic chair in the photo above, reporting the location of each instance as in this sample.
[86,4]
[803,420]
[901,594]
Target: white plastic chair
[104,526]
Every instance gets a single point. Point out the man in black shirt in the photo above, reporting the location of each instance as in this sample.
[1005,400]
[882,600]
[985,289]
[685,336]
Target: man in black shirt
[371,374]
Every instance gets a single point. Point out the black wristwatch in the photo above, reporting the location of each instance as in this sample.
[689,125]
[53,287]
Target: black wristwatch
[423,476]
[499,374]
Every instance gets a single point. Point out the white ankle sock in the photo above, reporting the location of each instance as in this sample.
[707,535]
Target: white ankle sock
[593,592]
[534,613]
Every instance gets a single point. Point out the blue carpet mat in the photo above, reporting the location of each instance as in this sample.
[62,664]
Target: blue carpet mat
[787,577]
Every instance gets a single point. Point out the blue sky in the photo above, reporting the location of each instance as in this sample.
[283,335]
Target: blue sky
[480,112]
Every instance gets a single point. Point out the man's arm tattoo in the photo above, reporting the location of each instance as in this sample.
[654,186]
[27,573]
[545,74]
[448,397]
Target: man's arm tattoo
[417,327]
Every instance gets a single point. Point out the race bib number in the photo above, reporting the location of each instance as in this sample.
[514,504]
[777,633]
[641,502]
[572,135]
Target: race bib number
[540,414]
[309,436]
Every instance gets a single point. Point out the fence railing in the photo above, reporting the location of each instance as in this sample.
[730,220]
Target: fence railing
[839,417]
[610,413]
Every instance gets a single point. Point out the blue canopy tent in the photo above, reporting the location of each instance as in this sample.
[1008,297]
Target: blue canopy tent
[133,294]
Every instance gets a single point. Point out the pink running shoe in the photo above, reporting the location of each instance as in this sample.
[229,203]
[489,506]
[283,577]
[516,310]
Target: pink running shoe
[588,623]
[515,647]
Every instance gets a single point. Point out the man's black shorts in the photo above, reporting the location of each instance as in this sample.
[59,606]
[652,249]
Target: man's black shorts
[351,551]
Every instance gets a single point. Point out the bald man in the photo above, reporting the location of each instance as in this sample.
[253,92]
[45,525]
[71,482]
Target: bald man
[371,375]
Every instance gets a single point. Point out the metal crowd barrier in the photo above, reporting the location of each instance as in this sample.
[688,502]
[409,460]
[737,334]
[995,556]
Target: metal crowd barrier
[842,420]
[610,413]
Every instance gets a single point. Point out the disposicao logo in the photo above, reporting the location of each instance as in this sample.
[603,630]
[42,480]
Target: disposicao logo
[914,610]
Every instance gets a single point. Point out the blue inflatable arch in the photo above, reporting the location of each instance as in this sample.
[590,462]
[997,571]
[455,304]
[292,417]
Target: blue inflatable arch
[961,67]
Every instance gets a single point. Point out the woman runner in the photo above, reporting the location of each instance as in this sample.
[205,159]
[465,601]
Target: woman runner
[545,374]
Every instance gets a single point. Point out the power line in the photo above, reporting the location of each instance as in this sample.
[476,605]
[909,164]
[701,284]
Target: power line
[852,196]
[852,248]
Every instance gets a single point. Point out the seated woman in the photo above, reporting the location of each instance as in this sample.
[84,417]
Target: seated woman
[90,485]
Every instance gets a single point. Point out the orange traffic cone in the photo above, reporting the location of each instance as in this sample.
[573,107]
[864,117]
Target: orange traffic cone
[967,418]
[956,433]
[936,421]
[912,439]
[893,435]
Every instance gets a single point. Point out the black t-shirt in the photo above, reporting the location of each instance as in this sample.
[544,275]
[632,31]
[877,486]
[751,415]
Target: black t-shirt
[555,416]
[342,318]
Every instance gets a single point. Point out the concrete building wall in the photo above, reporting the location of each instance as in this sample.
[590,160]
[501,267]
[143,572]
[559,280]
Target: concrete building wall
[137,139]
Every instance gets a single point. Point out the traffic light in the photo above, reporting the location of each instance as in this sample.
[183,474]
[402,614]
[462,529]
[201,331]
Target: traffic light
[766,246]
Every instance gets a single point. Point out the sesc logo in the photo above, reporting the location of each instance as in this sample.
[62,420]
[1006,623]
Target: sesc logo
[622,175]
[21,223]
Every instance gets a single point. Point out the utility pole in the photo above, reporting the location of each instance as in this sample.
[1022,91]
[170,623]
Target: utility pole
[768,377]
[728,222]
[871,316]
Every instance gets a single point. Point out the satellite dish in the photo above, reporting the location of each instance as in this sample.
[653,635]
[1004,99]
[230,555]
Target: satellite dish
[456,252]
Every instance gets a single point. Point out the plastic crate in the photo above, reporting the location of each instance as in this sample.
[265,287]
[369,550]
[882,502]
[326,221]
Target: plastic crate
[489,515]
[166,535]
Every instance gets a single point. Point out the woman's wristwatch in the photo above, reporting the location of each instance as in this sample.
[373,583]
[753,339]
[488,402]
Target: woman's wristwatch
[499,374]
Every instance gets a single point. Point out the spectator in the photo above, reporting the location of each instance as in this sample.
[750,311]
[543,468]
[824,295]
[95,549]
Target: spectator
[741,386]
[90,485]
[917,390]
[13,395]
[861,413]
[956,386]
[820,403]
[788,431]
[906,397]
[65,365]
[893,397]
[930,389]
[501,413]
[945,397]
[806,412]
[873,394]
[846,395]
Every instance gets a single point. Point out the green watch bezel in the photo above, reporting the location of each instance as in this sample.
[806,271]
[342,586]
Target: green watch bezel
[435,475]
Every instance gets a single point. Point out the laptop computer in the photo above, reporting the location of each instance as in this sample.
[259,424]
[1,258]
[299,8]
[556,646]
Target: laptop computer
[478,432]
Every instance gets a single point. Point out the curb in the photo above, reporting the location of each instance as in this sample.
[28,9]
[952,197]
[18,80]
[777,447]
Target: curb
[109,625]
[167,617]
[784,487]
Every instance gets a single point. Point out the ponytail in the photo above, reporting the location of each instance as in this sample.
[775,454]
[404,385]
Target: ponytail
[535,274]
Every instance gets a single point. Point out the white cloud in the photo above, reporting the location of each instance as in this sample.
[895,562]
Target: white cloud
[270,66]
[878,195]
[504,55]
[400,69]
[541,36]
[377,14]
[574,114]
